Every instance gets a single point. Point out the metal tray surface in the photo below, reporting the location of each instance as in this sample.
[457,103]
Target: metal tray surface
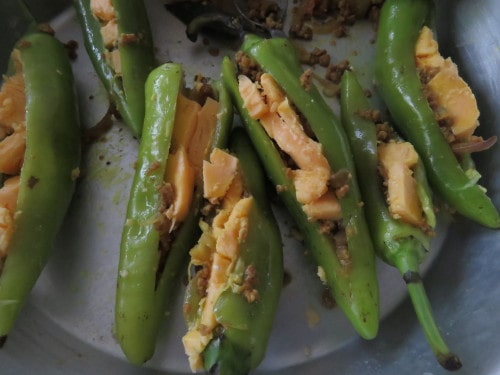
[67,325]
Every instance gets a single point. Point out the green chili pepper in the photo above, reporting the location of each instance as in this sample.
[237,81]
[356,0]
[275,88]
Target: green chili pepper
[135,48]
[49,170]
[399,244]
[147,276]
[399,84]
[353,283]
[239,342]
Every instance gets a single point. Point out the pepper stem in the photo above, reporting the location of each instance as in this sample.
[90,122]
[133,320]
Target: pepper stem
[408,267]
[422,306]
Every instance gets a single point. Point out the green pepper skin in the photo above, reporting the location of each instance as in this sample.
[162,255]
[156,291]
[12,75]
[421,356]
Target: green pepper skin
[387,233]
[247,326]
[49,171]
[399,85]
[397,243]
[137,57]
[141,300]
[355,287]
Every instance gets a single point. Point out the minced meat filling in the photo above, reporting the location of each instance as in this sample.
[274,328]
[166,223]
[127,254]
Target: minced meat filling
[344,14]
[266,13]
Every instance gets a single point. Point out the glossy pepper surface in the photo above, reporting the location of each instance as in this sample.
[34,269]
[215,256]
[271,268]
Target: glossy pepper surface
[133,48]
[49,170]
[399,85]
[147,277]
[353,283]
[398,243]
[244,315]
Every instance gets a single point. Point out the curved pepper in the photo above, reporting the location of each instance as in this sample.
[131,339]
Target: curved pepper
[399,244]
[353,282]
[151,263]
[132,46]
[48,172]
[399,84]
[243,312]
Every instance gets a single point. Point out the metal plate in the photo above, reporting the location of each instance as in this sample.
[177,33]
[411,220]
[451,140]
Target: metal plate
[66,326]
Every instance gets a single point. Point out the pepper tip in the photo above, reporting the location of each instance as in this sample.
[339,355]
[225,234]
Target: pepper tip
[450,361]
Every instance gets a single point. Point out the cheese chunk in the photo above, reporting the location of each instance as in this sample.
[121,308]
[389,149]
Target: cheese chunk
[451,98]
[206,122]
[218,250]
[9,192]
[12,103]
[194,343]
[12,150]
[252,100]
[327,207]
[180,175]
[114,60]
[397,160]
[310,185]
[455,96]
[186,117]
[109,33]
[102,9]
[6,229]
[218,174]
[427,50]
[269,104]
[273,92]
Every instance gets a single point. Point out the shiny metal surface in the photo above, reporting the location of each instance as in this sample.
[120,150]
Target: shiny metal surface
[66,327]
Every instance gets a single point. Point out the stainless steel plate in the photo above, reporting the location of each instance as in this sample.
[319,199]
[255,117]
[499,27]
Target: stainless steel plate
[67,325]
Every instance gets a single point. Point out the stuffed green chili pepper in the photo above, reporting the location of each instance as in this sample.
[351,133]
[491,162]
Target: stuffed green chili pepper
[181,127]
[397,201]
[432,106]
[39,164]
[236,270]
[118,40]
[307,157]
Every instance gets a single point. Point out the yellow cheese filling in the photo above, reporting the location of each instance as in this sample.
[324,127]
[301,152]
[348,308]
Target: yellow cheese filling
[217,250]
[194,127]
[266,102]
[104,11]
[451,98]
[12,148]
[397,161]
